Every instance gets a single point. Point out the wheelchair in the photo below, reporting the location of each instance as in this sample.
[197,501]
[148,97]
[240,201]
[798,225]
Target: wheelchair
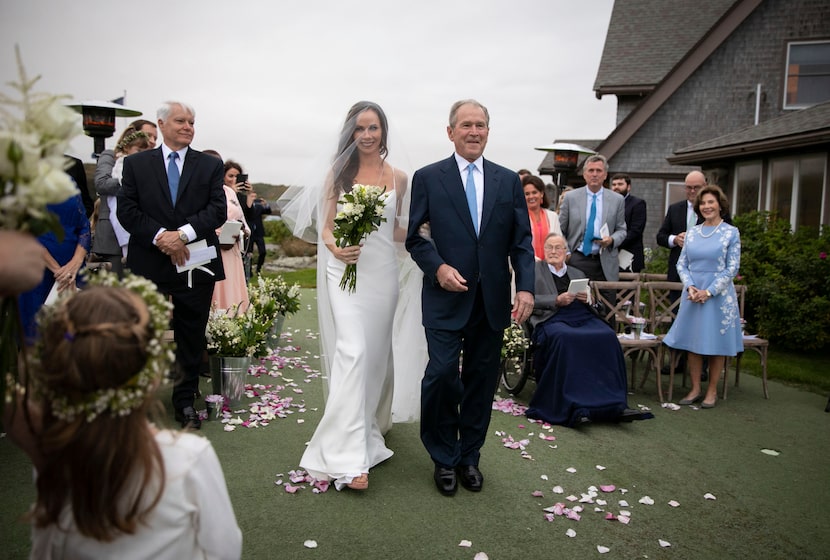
[515,370]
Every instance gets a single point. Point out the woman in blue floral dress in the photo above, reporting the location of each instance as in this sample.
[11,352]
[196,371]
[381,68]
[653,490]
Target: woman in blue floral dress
[708,321]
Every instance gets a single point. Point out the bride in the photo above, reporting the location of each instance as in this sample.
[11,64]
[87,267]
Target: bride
[357,329]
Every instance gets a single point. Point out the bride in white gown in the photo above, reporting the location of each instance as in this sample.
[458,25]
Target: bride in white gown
[357,329]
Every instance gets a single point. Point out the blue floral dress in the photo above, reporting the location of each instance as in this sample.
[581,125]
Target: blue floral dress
[709,260]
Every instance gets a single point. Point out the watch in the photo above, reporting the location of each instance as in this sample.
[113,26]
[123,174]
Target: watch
[708,293]
[183,237]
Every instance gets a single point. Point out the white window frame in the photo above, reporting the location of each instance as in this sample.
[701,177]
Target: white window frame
[790,45]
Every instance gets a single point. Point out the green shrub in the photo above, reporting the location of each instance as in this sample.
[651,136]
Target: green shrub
[277,230]
[788,281]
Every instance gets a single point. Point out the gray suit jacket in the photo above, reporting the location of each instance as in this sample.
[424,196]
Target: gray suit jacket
[544,306]
[105,242]
[572,221]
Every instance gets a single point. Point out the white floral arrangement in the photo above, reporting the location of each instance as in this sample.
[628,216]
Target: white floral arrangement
[121,401]
[235,333]
[361,214]
[514,341]
[35,131]
[271,297]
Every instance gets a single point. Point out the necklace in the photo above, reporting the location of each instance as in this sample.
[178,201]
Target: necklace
[710,234]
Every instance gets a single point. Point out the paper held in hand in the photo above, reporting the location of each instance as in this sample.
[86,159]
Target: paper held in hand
[578,285]
[229,232]
[200,253]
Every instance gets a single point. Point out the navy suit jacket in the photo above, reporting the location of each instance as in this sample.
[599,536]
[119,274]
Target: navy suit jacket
[635,222]
[504,234]
[674,223]
[145,206]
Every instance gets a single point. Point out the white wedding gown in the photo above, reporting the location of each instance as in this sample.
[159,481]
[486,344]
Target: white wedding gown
[349,439]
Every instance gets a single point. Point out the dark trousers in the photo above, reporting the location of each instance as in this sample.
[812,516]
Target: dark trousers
[260,247]
[191,309]
[456,409]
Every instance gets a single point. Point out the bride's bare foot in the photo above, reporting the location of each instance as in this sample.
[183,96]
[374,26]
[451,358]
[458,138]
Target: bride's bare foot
[359,482]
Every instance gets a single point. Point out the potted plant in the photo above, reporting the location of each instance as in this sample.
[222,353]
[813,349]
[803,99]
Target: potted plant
[234,338]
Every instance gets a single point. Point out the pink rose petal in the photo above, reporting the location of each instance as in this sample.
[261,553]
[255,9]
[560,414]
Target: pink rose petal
[607,487]
[537,494]
[291,489]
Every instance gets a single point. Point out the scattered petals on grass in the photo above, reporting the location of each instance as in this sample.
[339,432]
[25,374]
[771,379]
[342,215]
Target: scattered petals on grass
[291,489]
[481,556]
[607,487]
[623,503]
[310,544]
[670,406]
[537,494]
[708,496]
[602,549]
[601,502]
[508,406]
[664,544]
[674,503]
[600,468]
[229,428]
[544,477]
[772,452]
[571,470]
[570,533]
[558,490]
[647,500]
[465,543]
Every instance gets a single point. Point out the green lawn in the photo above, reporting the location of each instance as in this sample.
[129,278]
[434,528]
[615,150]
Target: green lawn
[766,506]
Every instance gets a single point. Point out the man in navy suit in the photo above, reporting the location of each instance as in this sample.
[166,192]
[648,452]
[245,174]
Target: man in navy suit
[169,197]
[635,220]
[477,220]
[680,216]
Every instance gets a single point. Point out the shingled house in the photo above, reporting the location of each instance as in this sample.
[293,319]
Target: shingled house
[739,89]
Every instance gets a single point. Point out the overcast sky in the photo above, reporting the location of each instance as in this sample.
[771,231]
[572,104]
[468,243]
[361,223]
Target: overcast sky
[271,81]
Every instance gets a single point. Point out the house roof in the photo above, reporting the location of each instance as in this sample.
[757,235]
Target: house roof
[798,129]
[737,12]
[647,38]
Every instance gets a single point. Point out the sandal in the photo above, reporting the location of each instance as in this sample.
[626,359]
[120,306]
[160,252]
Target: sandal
[359,482]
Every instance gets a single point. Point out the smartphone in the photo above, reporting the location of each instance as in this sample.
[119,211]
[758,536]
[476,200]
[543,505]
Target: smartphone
[242,178]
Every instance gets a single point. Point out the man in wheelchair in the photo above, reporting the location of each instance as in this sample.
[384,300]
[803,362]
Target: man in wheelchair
[577,361]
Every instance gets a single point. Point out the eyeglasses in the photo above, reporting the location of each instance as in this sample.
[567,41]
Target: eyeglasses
[693,187]
[552,249]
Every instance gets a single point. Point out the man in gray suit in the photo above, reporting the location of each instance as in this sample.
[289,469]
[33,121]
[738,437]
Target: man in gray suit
[593,253]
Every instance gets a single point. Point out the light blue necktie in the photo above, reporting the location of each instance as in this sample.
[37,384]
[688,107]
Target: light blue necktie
[588,240]
[471,195]
[173,176]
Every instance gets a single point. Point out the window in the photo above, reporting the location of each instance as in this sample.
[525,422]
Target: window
[808,74]
[747,193]
[797,190]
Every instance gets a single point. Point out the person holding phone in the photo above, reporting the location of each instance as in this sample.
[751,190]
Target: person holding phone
[232,292]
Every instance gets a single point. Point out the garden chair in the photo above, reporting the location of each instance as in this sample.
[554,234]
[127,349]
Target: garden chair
[628,301]
[662,313]
[759,345]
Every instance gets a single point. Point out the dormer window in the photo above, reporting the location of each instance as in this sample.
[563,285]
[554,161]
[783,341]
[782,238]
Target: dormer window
[808,74]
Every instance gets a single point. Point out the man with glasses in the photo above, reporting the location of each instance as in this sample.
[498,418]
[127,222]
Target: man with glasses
[680,217]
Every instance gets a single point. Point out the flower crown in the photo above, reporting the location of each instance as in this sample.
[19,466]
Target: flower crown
[129,139]
[121,401]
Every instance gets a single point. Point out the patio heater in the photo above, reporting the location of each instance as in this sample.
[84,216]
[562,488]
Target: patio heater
[99,120]
[565,160]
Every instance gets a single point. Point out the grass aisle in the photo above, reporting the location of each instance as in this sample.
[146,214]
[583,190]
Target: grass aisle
[766,506]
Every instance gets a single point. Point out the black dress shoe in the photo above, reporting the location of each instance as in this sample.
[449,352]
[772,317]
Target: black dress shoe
[445,481]
[189,418]
[470,477]
[583,420]
[629,415]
